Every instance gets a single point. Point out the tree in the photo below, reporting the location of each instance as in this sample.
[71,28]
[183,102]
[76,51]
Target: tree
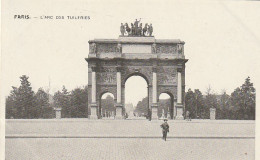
[199,103]
[142,107]
[79,101]
[190,102]
[224,111]
[44,110]
[210,101]
[62,100]
[243,99]
[20,102]
[194,103]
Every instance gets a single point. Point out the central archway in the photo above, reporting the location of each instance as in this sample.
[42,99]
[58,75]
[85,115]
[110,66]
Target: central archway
[136,96]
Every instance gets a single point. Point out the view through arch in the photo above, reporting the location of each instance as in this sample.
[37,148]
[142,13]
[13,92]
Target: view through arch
[166,106]
[136,97]
[107,109]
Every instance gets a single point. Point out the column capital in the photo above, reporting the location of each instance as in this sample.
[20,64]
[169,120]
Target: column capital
[155,69]
[119,69]
[94,68]
[179,69]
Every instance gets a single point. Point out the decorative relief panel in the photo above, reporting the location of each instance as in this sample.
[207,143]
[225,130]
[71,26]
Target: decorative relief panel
[92,48]
[166,48]
[108,63]
[180,48]
[166,75]
[137,63]
[108,75]
[107,48]
[146,71]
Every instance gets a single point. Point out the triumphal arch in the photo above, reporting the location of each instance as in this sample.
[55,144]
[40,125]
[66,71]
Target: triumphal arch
[161,62]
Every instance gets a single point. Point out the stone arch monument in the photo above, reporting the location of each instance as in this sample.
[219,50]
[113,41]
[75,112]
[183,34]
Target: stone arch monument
[160,62]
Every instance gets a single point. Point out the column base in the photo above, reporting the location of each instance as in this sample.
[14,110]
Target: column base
[179,112]
[93,111]
[154,111]
[119,111]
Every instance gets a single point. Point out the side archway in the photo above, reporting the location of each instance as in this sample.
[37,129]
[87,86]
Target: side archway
[166,105]
[107,106]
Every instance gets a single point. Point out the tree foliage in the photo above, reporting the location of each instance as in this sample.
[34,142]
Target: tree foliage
[78,100]
[243,101]
[142,107]
[20,102]
[23,103]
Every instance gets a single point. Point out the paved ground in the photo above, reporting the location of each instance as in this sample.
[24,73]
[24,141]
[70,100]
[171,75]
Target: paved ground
[129,149]
[128,128]
[128,139]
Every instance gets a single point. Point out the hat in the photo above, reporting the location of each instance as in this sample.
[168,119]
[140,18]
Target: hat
[165,120]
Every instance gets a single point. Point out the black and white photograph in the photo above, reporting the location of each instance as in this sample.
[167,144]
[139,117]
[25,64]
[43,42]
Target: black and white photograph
[129,80]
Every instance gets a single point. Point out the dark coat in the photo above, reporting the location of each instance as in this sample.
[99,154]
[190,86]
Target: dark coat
[165,127]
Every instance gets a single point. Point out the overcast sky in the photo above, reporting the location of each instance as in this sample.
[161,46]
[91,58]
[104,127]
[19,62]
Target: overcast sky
[221,40]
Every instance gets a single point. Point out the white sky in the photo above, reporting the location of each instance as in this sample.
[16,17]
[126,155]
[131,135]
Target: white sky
[222,39]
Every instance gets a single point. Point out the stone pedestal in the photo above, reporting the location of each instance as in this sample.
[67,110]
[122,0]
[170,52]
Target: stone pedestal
[168,115]
[119,111]
[212,113]
[93,111]
[58,113]
[154,111]
[179,112]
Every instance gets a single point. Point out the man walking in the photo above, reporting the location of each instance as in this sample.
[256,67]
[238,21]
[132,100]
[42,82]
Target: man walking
[165,129]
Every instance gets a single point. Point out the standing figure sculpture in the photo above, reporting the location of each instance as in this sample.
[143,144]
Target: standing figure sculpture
[136,26]
[150,29]
[139,31]
[132,29]
[136,29]
[145,29]
[127,28]
[122,29]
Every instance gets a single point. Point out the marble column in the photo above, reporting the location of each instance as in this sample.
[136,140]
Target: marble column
[119,106]
[118,85]
[154,106]
[93,106]
[179,105]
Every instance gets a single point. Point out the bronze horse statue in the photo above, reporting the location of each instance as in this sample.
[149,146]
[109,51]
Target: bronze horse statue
[145,29]
[127,28]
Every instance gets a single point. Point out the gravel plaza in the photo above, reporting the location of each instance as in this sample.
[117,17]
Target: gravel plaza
[129,139]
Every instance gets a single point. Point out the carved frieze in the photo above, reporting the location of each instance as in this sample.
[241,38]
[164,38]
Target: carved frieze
[92,48]
[119,48]
[146,71]
[108,75]
[166,48]
[180,48]
[154,48]
[107,48]
[166,75]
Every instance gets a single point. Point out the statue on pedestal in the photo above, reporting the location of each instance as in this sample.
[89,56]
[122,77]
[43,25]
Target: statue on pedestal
[145,29]
[150,30]
[136,29]
[122,29]
[136,25]
[127,28]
